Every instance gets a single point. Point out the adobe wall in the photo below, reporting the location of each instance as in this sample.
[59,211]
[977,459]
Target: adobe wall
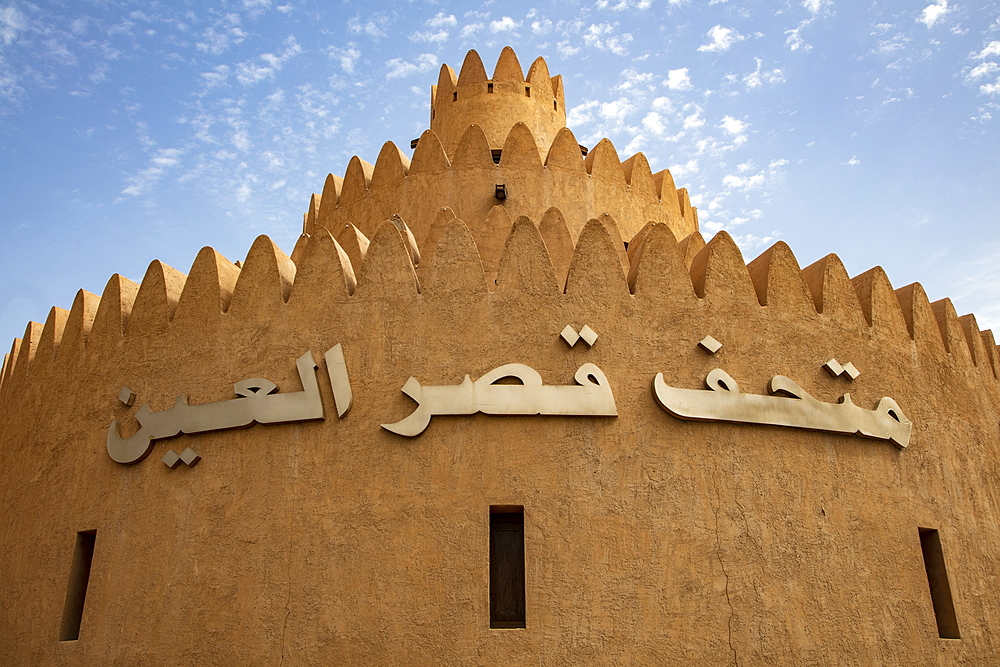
[648,539]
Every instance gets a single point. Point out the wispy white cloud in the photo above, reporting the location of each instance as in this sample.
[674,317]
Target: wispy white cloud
[505,24]
[219,37]
[541,27]
[347,56]
[249,72]
[981,70]
[162,160]
[816,6]
[933,13]
[375,27]
[760,76]
[397,67]
[678,79]
[12,22]
[991,49]
[601,36]
[439,25]
[722,39]
[442,20]
[471,29]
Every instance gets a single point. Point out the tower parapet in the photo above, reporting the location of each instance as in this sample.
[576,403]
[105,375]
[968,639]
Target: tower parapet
[497,104]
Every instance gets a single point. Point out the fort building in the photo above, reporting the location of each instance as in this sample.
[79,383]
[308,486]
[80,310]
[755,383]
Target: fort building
[502,404]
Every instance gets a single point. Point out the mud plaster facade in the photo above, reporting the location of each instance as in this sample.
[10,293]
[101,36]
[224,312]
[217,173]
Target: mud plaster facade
[648,539]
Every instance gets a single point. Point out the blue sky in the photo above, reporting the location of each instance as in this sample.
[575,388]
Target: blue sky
[133,131]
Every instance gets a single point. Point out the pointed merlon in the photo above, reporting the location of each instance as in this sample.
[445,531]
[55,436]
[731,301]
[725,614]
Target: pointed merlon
[266,278]
[520,150]
[525,267]
[332,188]
[357,181]
[951,330]
[973,338]
[508,68]
[113,312]
[690,246]
[777,279]
[920,320]
[447,83]
[473,150]
[26,354]
[639,176]
[156,302]
[879,303]
[472,71]
[564,153]
[80,323]
[718,273]
[541,83]
[429,156]
[324,277]
[208,289]
[390,167]
[658,269]
[52,334]
[558,242]
[666,190]
[387,271]
[596,271]
[492,235]
[354,243]
[602,162]
[456,269]
[990,346]
[312,214]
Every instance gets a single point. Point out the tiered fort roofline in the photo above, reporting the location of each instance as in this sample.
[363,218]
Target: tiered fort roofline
[657,274]
[486,132]
[567,221]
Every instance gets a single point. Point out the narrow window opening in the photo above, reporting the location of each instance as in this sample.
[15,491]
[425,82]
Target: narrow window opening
[555,105]
[937,579]
[76,592]
[496,152]
[454,96]
[507,567]
[527,91]
[489,88]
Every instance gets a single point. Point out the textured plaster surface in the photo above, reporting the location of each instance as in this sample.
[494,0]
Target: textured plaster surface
[648,540]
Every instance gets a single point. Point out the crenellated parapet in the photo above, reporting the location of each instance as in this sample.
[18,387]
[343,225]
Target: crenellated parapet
[498,103]
[530,260]
[499,141]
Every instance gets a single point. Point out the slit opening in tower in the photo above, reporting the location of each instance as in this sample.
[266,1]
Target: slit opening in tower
[507,595]
[937,580]
[454,96]
[496,152]
[489,88]
[76,591]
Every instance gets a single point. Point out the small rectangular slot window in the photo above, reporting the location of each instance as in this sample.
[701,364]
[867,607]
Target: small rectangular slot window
[555,105]
[937,579]
[454,96]
[496,153]
[76,592]
[489,88]
[527,91]
[507,567]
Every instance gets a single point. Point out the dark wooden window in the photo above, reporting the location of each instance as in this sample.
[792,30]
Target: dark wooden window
[507,567]
[76,592]
[937,579]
